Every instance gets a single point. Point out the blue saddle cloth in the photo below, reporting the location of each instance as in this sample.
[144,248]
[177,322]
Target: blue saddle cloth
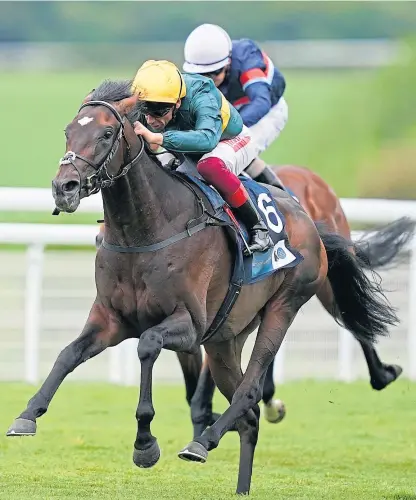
[259,265]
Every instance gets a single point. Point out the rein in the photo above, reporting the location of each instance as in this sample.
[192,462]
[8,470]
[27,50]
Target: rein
[157,246]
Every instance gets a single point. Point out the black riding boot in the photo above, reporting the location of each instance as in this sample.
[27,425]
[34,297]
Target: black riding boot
[269,177]
[259,234]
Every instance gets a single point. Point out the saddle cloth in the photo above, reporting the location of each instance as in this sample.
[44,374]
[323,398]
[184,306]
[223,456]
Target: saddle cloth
[258,265]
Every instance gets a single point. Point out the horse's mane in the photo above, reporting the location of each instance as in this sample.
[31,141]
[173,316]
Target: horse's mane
[116,90]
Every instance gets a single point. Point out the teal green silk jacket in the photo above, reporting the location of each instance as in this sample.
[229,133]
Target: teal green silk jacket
[197,124]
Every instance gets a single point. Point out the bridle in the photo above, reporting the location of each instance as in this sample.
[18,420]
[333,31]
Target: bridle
[101,178]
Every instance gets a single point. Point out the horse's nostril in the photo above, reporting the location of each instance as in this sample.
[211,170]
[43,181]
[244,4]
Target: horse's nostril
[70,186]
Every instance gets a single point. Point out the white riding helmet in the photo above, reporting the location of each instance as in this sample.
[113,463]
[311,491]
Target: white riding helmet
[207,48]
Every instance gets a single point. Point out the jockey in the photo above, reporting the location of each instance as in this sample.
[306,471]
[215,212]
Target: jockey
[188,114]
[248,79]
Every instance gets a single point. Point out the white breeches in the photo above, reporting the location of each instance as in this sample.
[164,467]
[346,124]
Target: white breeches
[266,130]
[236,153]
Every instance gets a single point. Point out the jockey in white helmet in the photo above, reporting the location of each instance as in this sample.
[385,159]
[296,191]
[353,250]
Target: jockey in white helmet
[248,79]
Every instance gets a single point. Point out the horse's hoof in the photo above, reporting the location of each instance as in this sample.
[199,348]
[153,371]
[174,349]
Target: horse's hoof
[390,374]
[274,411]
[148,457]
[22,427]
[194,452]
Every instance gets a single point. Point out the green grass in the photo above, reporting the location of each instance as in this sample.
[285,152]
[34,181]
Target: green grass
[337,442]
[329,127]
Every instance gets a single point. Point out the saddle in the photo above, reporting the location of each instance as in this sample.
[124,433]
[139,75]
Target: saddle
[182,162]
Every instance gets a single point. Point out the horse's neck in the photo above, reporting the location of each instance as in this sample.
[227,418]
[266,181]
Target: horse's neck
[144,205]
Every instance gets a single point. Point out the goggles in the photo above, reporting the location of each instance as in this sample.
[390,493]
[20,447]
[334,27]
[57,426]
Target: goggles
[156,109]
[212,74]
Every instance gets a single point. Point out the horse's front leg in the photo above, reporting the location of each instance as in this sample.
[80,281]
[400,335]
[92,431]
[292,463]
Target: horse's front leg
[176,333]
[101,331]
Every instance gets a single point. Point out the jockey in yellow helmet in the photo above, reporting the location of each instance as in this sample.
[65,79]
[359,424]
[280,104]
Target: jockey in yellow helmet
[188,114]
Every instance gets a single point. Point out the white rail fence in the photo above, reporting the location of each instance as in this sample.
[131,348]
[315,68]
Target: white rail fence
[123,362]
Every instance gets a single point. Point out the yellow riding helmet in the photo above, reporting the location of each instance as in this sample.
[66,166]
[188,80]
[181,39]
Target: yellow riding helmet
[159,81]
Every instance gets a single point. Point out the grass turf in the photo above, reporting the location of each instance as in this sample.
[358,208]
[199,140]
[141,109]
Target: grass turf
[337,442]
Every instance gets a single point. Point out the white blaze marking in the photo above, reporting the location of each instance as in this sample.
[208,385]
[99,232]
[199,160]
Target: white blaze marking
[85,120]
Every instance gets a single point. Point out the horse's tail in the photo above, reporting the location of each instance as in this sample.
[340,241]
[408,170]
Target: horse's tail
[383,245]
[360,304]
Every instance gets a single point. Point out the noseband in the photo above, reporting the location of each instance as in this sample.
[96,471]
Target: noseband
[101,178]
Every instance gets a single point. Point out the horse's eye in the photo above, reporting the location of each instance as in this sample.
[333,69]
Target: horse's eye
[108,134]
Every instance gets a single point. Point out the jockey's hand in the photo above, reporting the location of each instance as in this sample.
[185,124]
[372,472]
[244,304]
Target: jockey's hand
[153,147]
[152,138]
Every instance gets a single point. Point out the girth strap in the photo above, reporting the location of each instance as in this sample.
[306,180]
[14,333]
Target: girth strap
[231,296]
[157,246]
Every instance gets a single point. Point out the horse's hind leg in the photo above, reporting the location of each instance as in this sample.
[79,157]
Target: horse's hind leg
[99,333]
[381,374]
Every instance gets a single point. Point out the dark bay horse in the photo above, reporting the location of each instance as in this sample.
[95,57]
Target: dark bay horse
[162,281]
[375,250]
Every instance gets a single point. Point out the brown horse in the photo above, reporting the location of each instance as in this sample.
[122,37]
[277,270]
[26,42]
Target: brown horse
[163,271]
[374,251]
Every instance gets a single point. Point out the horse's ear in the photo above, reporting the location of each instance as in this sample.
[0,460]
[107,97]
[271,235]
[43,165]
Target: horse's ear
[88,97]
[127,104]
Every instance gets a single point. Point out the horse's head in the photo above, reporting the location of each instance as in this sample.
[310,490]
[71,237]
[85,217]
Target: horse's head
[100,148]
